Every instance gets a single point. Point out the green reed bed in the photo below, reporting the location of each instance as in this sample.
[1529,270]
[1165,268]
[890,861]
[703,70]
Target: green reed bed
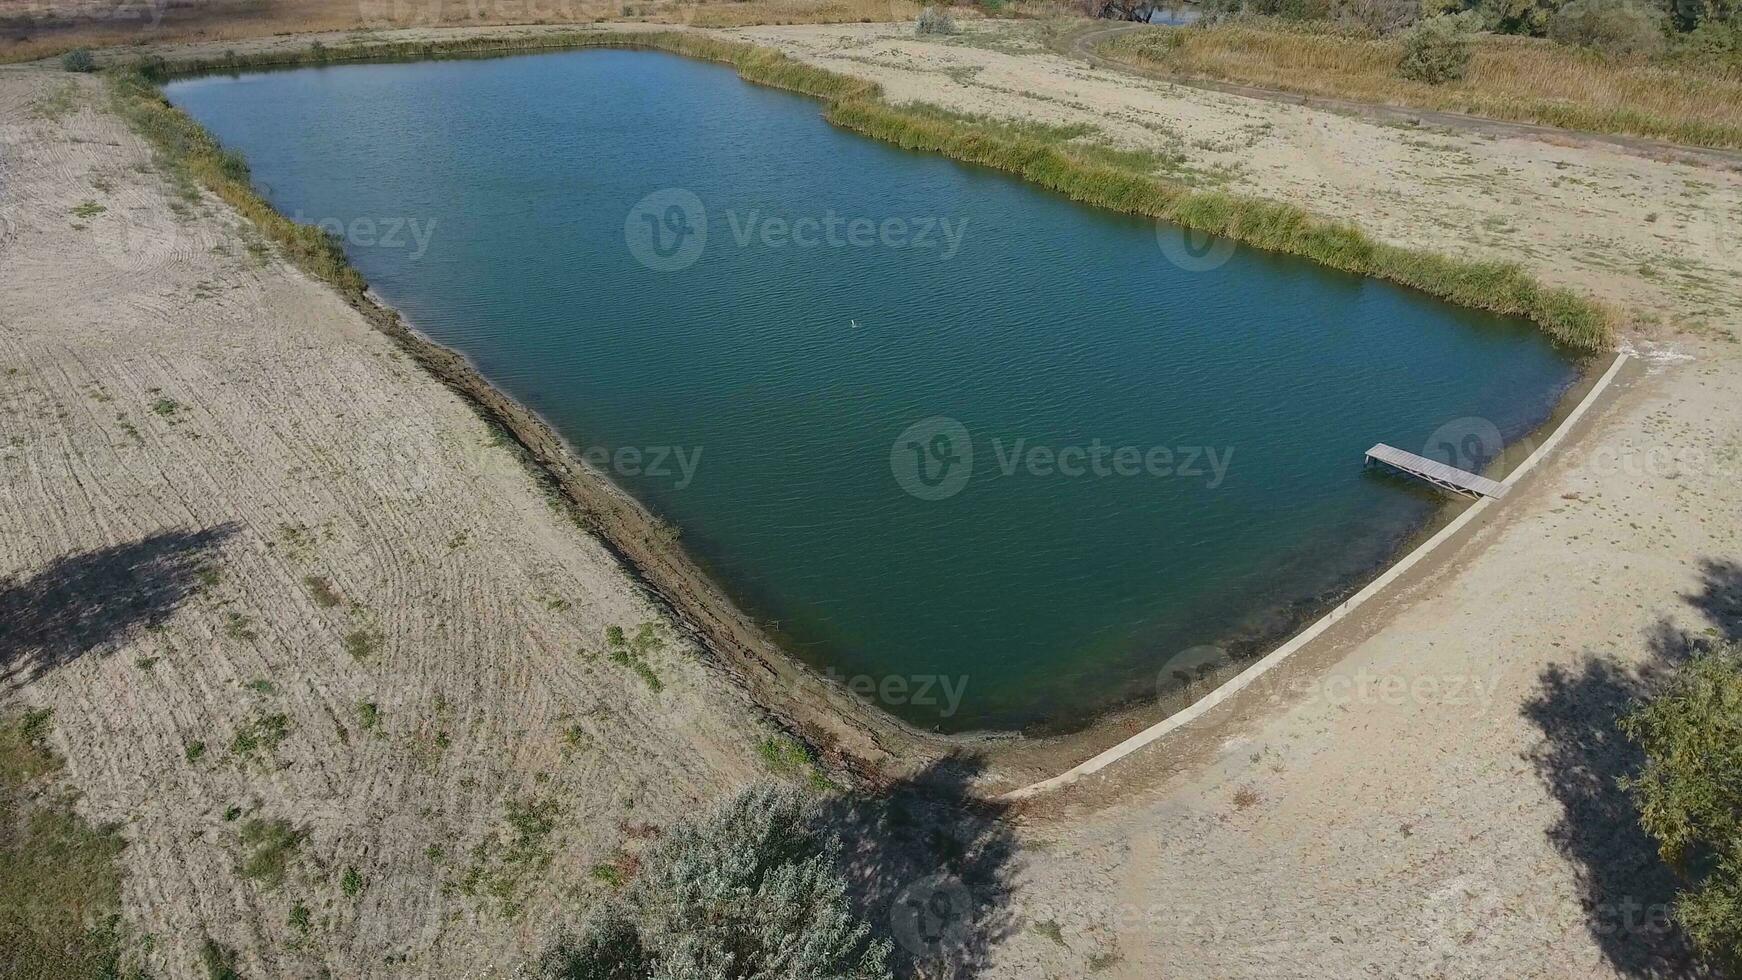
[1058,158]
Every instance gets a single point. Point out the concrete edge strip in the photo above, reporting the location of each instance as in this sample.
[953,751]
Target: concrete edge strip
[1244,679]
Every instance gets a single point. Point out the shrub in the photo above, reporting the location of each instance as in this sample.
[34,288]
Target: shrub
[752,889]
[1437,50]
[1689,793]
[935,20]
[78,60]
[1622,27]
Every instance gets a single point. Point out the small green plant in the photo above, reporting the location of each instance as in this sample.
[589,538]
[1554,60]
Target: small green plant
[632,653]
[351,883]
[262,732]
[166,407]
[786,756]
[607,874]
[194,751]
[219,961]
[268,847]
[322,591]
[575,740]
[35,727]
[88,209]
[362,643]
[301,919]
[231,812]
[236,626]
[1051,930]
[79,61]
[1104,961]
[368,715]
[261,685]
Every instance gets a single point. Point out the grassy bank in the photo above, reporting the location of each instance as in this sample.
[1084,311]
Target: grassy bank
[1512,78]
[1082,170]
[60,886]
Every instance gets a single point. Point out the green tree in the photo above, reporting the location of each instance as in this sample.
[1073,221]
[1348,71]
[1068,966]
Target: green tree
[1689,793]
[1615,26]
[1437,50]
[752,889]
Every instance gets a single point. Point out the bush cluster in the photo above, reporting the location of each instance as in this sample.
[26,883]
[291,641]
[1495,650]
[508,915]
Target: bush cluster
[935,20]
[1437,50]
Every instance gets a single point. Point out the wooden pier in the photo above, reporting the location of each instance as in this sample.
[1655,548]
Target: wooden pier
[1437,473]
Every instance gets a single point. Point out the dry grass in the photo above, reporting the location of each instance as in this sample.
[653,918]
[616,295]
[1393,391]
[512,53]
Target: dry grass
[27,33]
[755,12]
[1512,78]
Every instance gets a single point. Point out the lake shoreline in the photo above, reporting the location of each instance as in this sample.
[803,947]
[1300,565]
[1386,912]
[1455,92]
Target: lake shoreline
[847,732]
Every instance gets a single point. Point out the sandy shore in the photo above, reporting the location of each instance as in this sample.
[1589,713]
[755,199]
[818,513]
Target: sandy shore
[1321,825]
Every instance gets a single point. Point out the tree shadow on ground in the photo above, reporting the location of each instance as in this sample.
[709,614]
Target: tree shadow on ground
[931,866]
[1625,890]
[91,600]
[1720,597]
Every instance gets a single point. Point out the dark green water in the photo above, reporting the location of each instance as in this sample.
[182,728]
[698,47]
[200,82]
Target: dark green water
[496,203]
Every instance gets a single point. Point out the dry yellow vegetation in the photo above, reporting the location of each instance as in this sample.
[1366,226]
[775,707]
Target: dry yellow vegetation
[1513,78]
[32,29]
